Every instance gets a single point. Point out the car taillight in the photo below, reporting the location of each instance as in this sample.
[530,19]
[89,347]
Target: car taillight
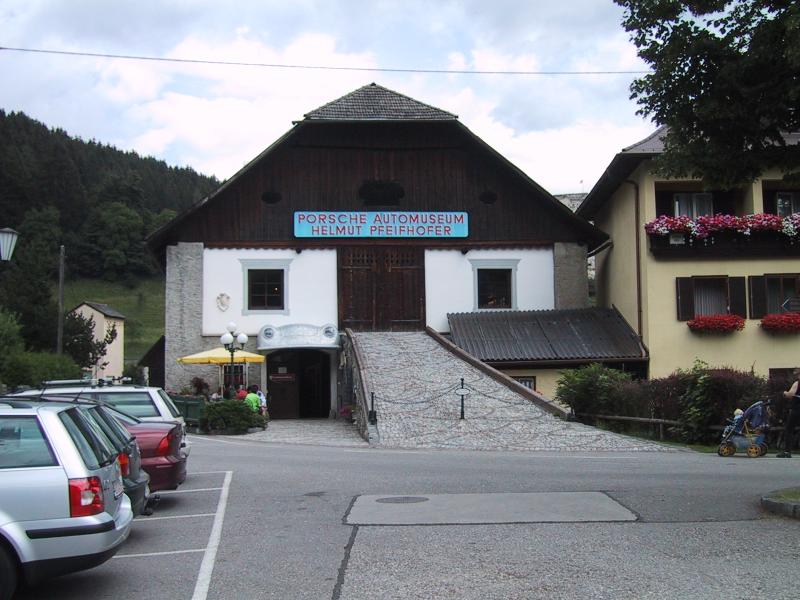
[124,464]
[85,497]
[164,444]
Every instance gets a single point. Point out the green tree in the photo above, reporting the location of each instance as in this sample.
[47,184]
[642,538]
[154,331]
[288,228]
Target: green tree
[725,79]
[10,339]
[25,288]
[80,343]
[114,235]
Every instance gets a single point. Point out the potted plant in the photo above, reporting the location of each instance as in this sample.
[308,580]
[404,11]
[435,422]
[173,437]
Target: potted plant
[716,323]
[781,322]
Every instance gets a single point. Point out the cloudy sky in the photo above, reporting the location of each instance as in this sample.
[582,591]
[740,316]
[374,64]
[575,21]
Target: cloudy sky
[561,130]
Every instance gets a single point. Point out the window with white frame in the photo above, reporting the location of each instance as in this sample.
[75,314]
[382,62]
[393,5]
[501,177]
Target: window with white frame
[495,283]
[266,286]
[693,204]
[787,203]
[528,381]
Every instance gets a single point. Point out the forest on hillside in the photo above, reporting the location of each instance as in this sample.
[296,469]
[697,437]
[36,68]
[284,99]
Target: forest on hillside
[100,203]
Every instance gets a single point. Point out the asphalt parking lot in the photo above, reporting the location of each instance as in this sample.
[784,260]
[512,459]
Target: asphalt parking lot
[184,530]
[286,521]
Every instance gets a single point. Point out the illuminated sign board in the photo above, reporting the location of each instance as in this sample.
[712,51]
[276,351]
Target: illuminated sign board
[384,224]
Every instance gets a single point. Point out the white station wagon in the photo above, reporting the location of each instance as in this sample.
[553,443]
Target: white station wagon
[143,402]
[62,506]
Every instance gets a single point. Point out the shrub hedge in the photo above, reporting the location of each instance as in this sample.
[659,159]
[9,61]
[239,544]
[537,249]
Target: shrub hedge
[697,398]
[32,368]
[230,416]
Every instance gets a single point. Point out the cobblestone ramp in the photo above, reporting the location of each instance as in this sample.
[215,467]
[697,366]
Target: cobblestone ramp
[414,380]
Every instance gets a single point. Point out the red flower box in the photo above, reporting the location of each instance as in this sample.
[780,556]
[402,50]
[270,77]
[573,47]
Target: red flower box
[716,323]
[781,322]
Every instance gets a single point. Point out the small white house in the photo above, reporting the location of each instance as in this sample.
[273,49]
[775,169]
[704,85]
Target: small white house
[105,318]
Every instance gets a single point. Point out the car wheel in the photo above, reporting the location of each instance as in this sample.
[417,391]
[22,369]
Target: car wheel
[8,574]
[753,451]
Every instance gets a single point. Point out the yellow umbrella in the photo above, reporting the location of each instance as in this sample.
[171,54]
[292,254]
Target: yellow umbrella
[220,356]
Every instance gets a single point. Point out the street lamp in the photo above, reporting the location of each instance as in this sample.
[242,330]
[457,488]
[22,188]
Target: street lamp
[233,342]
[8,239]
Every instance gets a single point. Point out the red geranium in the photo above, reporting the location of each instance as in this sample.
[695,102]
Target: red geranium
[781,322]
[716,323]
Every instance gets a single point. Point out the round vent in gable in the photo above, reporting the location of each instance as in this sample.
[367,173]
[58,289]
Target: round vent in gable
[488,197]
[271,197]
[379,192]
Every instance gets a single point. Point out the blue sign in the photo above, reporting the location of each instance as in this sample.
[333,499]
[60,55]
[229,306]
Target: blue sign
[387,224]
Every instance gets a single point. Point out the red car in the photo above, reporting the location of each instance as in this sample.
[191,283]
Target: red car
[160,446]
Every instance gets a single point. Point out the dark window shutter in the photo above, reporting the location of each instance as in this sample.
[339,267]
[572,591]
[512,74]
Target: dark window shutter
[771,202]
[685,298]
[737,296]
[758,296]
[665,204]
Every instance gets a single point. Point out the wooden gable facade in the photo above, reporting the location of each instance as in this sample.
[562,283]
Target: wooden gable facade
[393,165]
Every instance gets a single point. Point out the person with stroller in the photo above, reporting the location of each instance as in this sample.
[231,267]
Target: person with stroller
[793,394]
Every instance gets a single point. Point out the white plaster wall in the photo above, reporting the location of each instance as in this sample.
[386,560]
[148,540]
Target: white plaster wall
[115,351]
[449,283]
[312,290]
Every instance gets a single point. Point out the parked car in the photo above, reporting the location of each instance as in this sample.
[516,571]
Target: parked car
[135,479]
[143,402]
[160,448]
[62,502]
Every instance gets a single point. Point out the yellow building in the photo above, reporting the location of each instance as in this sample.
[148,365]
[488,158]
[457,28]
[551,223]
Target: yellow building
[105,317]
[660,282]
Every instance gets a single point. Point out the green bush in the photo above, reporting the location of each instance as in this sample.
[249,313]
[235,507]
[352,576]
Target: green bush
[698,398]
[230,416]
[32,368]
[712,395]
[591,389]
[10,338]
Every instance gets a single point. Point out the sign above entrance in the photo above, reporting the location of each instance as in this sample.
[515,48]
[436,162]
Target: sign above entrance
[385,224]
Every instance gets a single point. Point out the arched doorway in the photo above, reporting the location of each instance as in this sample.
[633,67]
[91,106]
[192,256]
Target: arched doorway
[298,382]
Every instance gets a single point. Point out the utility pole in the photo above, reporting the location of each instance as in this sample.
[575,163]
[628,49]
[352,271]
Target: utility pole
[60,338]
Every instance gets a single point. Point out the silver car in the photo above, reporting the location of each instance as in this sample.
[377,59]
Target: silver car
[143,402]
[62,506]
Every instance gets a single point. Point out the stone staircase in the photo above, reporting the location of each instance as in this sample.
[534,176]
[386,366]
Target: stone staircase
[414,380]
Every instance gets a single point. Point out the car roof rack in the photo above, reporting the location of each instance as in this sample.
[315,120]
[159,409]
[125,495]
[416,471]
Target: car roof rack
[87,383]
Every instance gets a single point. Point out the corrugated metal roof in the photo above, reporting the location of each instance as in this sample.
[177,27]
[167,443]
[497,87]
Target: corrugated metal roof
[546,335]
[377,103]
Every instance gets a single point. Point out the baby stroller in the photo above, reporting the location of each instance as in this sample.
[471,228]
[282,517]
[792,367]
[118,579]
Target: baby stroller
[747,431]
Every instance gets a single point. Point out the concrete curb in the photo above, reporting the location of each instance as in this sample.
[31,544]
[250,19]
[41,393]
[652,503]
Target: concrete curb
[787,508]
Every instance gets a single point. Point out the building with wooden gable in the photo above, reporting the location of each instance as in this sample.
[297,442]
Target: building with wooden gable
[375,212]
[700,273]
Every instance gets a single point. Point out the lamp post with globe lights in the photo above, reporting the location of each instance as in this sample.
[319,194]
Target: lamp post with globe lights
[8,239]
[233,342]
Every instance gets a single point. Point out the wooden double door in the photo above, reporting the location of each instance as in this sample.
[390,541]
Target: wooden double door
[382,288]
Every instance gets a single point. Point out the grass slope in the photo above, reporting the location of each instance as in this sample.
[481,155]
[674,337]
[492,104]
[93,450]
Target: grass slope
[142,305]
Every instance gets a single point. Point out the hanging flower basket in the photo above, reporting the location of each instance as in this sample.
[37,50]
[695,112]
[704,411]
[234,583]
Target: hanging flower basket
[716,324]
[708,225]
[781,322]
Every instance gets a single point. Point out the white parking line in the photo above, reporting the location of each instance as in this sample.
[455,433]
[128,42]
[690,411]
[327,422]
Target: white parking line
[145,519]
[207,473]
[170,492]
[194,439]
[159,553]
[207,566]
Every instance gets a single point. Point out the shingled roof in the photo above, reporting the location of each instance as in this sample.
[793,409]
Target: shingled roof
[377,103]
[575,335]
[104,309]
